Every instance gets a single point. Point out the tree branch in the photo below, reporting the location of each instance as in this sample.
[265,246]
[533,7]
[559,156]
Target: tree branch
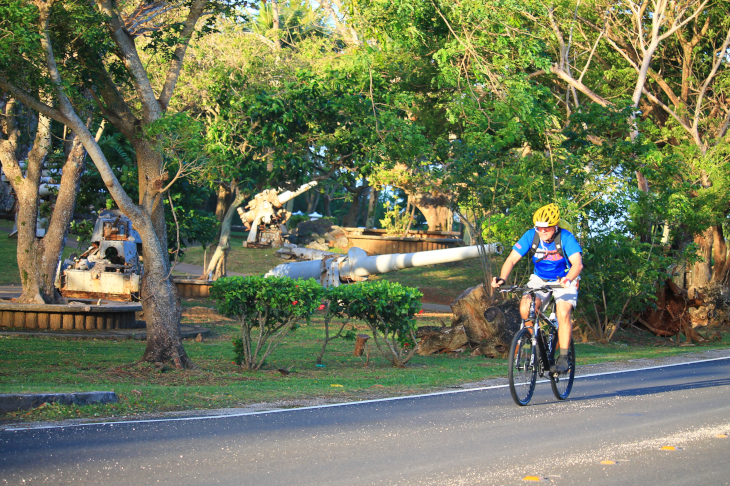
[173,72]
[129,56]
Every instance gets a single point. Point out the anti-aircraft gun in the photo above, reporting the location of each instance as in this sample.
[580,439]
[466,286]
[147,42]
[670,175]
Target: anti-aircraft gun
[357,265]
[266,217]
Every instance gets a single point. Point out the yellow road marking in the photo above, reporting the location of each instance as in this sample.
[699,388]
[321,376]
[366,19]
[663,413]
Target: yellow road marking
[668,448]
[608,462]
[532,478]
[721,436]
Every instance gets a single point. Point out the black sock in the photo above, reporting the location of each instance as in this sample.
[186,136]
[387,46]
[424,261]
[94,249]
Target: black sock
[563,352]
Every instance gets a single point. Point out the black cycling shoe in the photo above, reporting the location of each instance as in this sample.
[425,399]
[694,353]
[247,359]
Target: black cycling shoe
[561,366]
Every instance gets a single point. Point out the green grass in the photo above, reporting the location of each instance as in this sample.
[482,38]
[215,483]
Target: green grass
[8,258]
[34,365]
[8,261]
[440,283]
[248,261]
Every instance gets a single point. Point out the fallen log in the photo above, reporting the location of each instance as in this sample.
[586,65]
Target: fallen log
[486,326]
[444,339]
[673,315]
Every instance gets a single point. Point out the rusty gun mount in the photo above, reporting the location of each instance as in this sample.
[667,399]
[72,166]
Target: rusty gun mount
[266,217]
[357,265]
[110,268]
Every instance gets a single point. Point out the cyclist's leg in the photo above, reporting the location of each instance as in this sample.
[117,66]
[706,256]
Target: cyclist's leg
[534,283]
[525,307]
[565,300]
[564,311]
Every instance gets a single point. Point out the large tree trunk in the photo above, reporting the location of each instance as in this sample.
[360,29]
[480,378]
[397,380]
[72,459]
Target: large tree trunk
[353,214]
[225,197]
[38,257]
[678,311]
[485,325]
[372,208]
[702,270]
[217,265]
[436,208]
[489,325]
[26,189]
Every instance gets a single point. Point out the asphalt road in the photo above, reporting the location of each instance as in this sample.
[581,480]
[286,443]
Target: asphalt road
[464,437]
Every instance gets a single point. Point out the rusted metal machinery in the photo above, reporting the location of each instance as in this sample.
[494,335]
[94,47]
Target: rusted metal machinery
[110,268]
[266,217]
[357,265]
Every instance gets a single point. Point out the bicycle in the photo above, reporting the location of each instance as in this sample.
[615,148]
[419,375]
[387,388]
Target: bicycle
[533,351]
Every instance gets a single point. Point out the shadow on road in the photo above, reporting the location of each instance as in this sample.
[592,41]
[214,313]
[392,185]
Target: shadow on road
[652,390]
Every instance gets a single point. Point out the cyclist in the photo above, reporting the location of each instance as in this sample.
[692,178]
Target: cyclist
[557,258]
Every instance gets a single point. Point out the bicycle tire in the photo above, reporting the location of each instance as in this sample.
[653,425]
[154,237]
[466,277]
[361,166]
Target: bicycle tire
[522,374]
[563,384]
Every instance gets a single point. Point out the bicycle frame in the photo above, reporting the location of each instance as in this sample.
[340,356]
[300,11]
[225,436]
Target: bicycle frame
[541,336]
[545,348]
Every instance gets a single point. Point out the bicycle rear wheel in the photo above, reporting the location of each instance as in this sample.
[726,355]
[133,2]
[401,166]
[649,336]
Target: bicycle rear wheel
[562,384]
[522,367]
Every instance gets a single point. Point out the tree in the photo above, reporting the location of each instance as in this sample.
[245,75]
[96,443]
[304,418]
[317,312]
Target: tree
[38,257]
[106,59]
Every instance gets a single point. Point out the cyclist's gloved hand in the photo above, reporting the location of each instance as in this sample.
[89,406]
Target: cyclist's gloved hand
[565,282]
[497,281]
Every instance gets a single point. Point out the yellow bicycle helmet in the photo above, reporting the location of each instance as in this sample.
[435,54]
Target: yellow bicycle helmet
[547,216]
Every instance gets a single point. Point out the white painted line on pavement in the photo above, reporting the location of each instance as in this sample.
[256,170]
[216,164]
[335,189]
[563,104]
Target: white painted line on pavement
[331,405]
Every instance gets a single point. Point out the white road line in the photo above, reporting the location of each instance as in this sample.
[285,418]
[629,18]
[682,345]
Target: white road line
[343,404]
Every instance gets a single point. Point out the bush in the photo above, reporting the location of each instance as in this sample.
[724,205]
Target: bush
[273,305]
[295,219]
[335,306]
[622,280]
[388,308]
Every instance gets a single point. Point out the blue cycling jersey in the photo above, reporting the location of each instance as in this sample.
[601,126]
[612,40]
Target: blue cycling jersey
[553,266]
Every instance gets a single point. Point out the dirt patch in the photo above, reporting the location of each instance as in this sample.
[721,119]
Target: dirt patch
[435,295]
[200,311]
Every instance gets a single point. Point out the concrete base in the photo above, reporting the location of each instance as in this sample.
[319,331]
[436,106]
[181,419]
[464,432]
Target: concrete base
[78,315]
[14,402]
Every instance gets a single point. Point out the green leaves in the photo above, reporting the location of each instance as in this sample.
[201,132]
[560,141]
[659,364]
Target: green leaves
[388,308]
[274,305]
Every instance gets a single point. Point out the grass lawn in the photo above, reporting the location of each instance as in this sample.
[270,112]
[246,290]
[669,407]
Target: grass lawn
[249,261]
[32,365]
[440,284]
[8,258]
[8,261]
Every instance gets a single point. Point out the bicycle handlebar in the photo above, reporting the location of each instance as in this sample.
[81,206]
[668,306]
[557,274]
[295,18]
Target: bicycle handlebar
[544,288]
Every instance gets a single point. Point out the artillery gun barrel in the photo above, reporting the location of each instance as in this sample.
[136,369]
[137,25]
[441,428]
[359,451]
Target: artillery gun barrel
[357,265]
[288,195]
[363,265]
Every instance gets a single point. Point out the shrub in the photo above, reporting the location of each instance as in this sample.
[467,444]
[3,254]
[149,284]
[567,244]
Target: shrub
[272,305]
[295,219]
[621,281]
[335,306]
[388,308]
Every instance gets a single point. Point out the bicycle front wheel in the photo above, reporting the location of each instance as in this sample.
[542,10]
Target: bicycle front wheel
[562,384]
[522,367]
